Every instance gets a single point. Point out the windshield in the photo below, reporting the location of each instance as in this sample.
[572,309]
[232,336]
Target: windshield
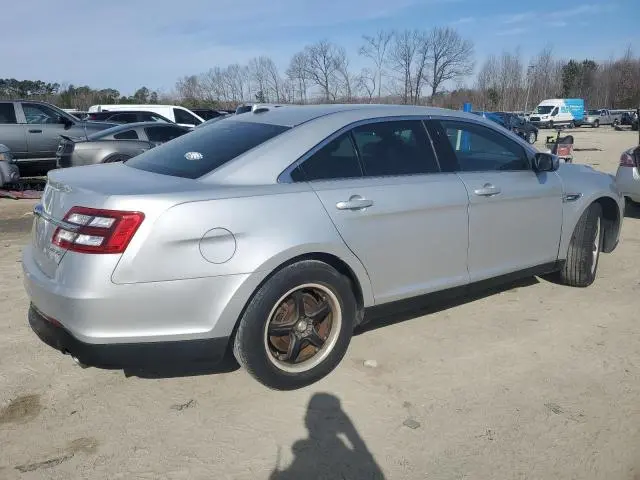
[544,109]
[594,112]
[205,149]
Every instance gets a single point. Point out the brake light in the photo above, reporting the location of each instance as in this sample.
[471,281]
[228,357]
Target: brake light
[99,231]
[626,160]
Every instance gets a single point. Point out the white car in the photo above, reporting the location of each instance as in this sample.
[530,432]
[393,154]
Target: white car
[628,174]
[180,115]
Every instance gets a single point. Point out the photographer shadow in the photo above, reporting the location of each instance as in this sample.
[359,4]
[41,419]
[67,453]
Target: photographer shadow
[333,448]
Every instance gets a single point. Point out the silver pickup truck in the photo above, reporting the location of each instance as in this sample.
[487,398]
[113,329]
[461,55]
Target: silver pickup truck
[32,130]
[595,118]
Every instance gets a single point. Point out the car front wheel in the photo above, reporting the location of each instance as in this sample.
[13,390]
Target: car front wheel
[596,124]
[297,326]
[581,265]
[532,137]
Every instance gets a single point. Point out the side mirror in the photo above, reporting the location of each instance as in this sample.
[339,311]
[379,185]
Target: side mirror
[636,156]
[65,121]
[545,162]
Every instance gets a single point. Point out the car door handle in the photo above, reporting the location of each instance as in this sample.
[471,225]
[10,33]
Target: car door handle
[35,131]
[356,202]
[487,190]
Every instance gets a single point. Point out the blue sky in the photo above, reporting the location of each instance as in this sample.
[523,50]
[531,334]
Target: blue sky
[128,43]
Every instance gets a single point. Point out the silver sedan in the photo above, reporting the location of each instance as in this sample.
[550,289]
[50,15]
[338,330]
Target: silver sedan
[273,231]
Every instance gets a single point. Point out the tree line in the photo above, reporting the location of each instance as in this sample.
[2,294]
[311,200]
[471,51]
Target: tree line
[432,67]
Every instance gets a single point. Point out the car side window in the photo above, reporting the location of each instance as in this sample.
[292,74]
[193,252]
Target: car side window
[163,134]
[481,149]
[124,117]
[152,117]
[126,135]
[182,116]
[334,161]
[40,114]
[395,148]
[7,113]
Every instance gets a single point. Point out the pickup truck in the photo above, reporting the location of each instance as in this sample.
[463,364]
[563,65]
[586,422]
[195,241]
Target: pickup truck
[595,118]
[32,130]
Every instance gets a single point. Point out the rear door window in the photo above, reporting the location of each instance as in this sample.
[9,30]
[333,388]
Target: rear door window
[126,135]
[205,149]
[163,134]
[395,148]
[182,116]
[336,160]
[7,113]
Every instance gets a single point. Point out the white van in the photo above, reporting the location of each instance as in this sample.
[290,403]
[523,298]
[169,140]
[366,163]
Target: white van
[558,111]
[180,115]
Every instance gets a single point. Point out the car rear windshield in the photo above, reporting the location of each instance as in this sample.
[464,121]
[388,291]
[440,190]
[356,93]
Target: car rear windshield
[205,149]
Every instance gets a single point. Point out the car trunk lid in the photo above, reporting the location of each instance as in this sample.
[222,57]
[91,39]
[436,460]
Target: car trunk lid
[96,187]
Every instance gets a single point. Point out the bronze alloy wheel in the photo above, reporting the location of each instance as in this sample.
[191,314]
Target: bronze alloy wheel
[302,328]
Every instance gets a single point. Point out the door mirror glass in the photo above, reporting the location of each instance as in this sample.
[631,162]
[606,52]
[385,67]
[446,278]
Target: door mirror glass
[545,162]
[555,112]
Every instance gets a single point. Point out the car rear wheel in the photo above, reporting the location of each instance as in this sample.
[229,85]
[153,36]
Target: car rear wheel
[532,137]
[581,265]
[297,326]
[572,124]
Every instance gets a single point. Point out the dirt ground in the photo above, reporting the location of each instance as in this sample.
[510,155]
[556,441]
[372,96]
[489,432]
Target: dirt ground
[534,381]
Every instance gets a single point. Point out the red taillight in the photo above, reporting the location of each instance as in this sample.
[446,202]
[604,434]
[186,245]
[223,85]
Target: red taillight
[626,160]
[99,231]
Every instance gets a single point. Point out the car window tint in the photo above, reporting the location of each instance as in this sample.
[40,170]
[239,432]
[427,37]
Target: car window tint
[205,149]
[163,134]
[40,114]
[124,117]
[395,148]
[182,116]
[126,135]
[337,159]
[480,148]
[7,113]
[152,117]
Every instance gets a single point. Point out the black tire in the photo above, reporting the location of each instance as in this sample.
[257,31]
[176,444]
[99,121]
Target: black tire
[532,137]
[551,124]
[581,267]
[116,158]
[252,347]
[596,124]
[572,124]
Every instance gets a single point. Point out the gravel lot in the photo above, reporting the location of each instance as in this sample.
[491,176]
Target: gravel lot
[534,381]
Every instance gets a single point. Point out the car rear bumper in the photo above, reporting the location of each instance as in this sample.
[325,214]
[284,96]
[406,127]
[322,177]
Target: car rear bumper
[96,311]
[628,182]
[125,355]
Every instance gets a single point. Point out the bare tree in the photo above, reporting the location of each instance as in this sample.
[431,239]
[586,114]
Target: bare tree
[450,58]
[297,73]
[367,83]
[345,79]
[401,59]
[376,48]
[322,66]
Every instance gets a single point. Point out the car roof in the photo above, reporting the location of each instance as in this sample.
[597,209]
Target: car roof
[132,126]
[294,115]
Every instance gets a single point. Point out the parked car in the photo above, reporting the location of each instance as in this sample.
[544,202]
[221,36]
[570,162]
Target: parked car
[127,116]
[212,120]
[626,118]
[272,233]
[180,115]
[595,118]
[628,174]
[116,144]
[79,114]
[208,113]
[556,112]
[32,130]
